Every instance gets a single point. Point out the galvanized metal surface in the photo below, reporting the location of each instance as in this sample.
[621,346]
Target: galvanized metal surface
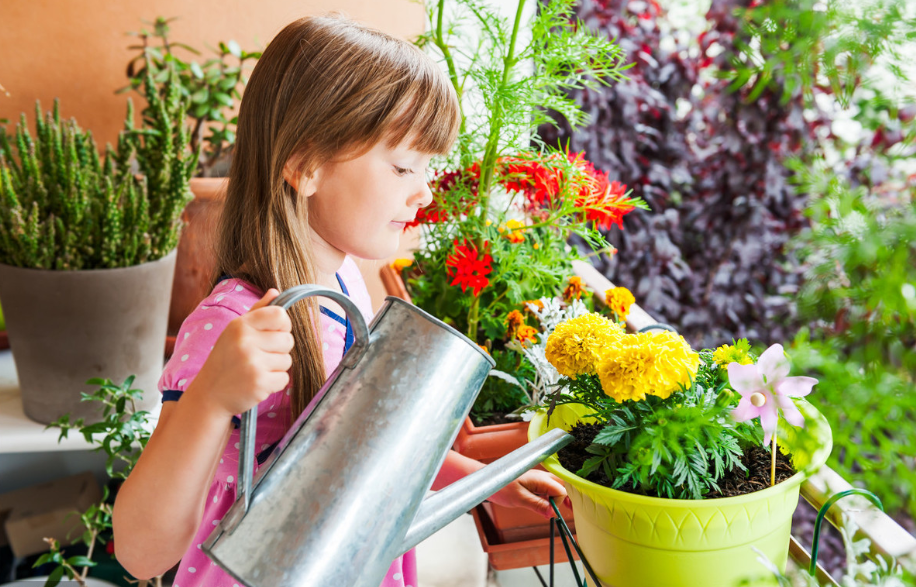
[444,506]
[333,506]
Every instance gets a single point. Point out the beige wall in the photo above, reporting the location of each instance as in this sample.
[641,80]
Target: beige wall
[76,50]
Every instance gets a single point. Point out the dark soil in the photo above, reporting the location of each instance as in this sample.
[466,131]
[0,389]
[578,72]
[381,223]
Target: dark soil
[493,419]
[733,483]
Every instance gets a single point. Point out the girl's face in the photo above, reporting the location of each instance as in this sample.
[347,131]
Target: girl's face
[359,206]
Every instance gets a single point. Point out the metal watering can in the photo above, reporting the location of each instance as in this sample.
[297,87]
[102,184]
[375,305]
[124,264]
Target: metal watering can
[342,495]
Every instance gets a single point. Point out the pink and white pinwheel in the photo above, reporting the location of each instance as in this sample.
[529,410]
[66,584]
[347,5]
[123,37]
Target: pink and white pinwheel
[765,387]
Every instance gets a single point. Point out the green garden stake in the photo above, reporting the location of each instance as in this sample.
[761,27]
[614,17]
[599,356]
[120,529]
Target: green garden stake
[823,512]
[564,534]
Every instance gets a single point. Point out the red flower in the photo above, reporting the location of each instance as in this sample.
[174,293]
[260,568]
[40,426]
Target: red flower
[604,201]
[444,183]
[468,269]
[109,548]
[539,183]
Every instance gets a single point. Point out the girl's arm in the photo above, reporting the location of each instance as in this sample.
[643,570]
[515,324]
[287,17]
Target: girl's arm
[159,508]
[529,491]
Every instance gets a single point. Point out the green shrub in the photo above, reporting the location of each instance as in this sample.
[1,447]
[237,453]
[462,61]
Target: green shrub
[64,207]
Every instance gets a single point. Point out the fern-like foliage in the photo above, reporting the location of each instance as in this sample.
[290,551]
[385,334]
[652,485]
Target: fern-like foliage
[678,447]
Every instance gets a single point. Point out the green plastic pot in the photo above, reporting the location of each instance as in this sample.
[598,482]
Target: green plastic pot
[639,541]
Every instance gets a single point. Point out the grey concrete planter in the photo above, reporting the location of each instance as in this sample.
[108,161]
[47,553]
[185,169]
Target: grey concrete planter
[66,327]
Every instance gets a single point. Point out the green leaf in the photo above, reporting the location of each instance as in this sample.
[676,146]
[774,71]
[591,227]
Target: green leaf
[80,561]
[223,99]
[196,70]
[234,49]
[54,577]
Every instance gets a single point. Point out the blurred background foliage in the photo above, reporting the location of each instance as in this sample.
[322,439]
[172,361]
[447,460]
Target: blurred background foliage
[774,142]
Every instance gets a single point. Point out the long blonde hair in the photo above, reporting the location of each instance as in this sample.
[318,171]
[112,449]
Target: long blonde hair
[325,87]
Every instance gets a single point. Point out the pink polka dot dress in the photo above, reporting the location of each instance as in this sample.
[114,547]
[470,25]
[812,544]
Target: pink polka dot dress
[230,299]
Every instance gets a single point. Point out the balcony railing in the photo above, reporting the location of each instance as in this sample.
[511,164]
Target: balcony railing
[887,537]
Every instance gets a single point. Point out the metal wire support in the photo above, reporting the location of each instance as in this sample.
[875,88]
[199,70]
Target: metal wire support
[658,326]
[812,568]
[568,539]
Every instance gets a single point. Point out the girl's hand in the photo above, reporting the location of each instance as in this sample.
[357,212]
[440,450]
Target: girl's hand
[531,491]
[249,361]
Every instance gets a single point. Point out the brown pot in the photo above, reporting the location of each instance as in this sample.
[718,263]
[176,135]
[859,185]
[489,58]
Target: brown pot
[70,326]
[520,552]
[196,253]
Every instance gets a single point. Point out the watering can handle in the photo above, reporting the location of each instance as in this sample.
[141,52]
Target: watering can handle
[352,356]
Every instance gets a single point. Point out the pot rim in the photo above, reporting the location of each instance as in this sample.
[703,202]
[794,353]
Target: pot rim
[165,258]
[553,465]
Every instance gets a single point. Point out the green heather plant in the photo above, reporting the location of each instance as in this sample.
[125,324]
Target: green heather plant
[212,87]
[121,435]
[66,208]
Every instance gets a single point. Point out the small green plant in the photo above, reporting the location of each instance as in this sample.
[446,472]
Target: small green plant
[212,87]
[122,435]
[66,208]
[860,571]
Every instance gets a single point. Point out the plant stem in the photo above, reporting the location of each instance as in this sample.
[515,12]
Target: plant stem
[773,462]
[85,572]
[439,40]
[489,159]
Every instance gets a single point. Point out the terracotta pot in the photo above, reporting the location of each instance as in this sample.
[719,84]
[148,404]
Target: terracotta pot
[196,261]
[486,444]
[71,326]
[519,553]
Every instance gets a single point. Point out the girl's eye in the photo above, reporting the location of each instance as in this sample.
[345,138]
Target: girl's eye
[402,170]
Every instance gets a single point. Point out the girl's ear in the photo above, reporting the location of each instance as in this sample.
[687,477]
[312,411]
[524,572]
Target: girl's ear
[305,185]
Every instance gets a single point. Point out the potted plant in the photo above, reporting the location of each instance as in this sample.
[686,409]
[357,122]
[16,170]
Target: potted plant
[672,479]
[212,88]
[87,249]
[505,203]
[122,435]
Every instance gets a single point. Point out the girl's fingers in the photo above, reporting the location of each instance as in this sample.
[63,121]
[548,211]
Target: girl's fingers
[268,297]
[276,362]
[271,341]
[269,318]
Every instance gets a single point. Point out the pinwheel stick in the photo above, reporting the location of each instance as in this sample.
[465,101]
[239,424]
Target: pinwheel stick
[773,462]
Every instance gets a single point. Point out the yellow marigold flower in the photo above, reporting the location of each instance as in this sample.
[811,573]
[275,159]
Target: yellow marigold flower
[400,265]
[484,349]
[514,320]
[489,222]
[536,246]
[737,353]
[574,290]
[526,333]
[575,346]
[651,363]
[619,299]
[516,231]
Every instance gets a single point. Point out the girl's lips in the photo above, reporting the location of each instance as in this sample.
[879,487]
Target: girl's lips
[397,224]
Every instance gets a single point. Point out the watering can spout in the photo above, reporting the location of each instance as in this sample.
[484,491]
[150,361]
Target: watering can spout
[437,510]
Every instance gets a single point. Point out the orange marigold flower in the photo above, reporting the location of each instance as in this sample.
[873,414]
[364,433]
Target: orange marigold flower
[516,231]
[574,290]
[513,321]
[400,265]
[526,334]
[468,268]
[536,303]
[619,300]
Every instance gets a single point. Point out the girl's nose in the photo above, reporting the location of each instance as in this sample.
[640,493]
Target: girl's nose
[423,197]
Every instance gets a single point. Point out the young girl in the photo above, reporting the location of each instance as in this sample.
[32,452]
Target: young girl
[335,132]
